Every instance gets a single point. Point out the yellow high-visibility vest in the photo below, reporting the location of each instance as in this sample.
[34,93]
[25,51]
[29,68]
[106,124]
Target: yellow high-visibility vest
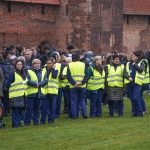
[53,85]
[146,76]
[34,90]
[77,70]
[18,87]
[115,77]
[96,81]
[139,77]
[64,82]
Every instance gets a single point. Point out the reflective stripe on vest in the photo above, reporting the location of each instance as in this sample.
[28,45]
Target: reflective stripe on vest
[139,77]
[96,81]
[77,70]
[53,85]
[34,90]
[18,87]
[115,77]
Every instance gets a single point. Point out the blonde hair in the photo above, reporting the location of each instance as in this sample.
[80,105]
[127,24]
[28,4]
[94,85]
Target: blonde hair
[97,58]
[35,61]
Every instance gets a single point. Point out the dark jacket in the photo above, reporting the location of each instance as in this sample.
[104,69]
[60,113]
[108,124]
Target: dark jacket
[1,82]
[7,68]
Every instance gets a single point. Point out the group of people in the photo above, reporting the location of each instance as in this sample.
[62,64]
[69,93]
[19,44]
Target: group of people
[33,85]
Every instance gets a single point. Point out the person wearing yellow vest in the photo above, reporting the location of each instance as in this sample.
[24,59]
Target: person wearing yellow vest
[59,67]
[49,104]
[145,85]
[134,77]
[95,86]
[37,80]
[77,76]
[66,90]
[17,88]
[114,85]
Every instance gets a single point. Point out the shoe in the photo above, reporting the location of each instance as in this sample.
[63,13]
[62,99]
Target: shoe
[2,125]
[85,117]
[144,112]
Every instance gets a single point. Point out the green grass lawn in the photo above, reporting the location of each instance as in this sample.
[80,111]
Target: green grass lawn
[92,134]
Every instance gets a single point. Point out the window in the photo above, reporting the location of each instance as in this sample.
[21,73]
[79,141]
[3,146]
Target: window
[100,38]
[127,19]
[67,38]
[67,10]
[42,9]
[100,9]
[148,20]
[9,7]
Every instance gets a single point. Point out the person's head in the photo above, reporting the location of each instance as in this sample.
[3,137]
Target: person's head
[97,60]
[137,55]
[19,50]
[19,65]
[11,50]
[50,62]
[116,59]
[46,49]
[13,59]
[75,57]
[70,47]
[28,54]
[56,56]
[22,59]
[36,64]
[34,50]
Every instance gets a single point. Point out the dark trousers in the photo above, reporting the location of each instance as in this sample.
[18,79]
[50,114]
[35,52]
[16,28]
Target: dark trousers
[5,101]
[96,103]
[58,103]
[32,110]
[17,114]
[134,92]
[77,101]
[143,104]
[66,94]
[118,105]
[48,108]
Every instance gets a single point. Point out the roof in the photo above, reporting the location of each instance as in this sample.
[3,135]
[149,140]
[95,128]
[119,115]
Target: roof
[52,2]
[136,7]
